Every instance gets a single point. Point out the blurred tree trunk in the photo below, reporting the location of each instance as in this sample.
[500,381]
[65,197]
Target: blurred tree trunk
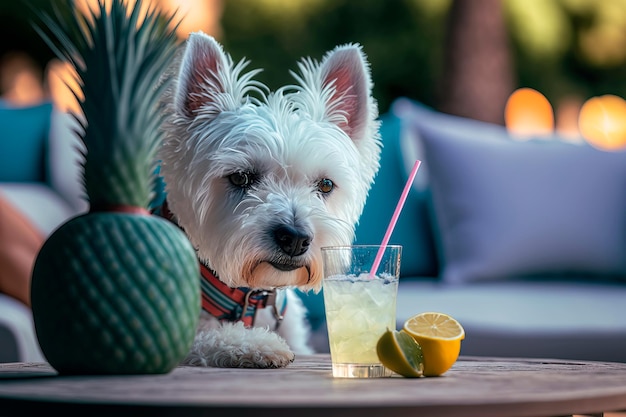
[478,76]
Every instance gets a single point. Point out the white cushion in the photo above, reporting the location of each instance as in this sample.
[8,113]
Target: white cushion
[509,209]
[42,205]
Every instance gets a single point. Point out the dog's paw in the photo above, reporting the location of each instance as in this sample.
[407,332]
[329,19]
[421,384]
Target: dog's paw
[234,346]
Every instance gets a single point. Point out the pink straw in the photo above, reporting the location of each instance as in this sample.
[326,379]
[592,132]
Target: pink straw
[394,218]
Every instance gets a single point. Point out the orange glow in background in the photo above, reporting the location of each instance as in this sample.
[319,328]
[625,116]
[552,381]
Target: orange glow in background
[61,82]
[193,15]
[21,79]
[528,113]
[602,122]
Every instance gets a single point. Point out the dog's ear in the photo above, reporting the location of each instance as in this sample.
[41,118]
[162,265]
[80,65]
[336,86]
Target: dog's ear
[346,72]
[201,75]
[341,87]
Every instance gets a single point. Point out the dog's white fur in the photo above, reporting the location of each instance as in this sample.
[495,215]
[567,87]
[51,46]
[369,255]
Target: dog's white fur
[240,162]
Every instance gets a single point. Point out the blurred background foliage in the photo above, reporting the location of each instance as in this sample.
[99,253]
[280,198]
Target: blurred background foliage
[563,48]
[402,38]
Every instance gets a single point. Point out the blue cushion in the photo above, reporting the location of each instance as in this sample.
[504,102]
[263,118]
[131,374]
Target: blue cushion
[23,142]
[508,209]
[413,229]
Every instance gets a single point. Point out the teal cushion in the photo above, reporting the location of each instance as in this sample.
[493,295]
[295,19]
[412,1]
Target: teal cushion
[23,142]
[413,229]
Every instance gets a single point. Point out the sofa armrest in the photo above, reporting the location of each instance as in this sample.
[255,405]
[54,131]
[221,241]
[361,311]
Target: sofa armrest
[18,341]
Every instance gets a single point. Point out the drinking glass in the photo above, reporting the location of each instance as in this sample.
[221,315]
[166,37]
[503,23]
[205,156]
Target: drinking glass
[359,306]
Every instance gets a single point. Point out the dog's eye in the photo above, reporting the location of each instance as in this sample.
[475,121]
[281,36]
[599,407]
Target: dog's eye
[240,179]
[325,185]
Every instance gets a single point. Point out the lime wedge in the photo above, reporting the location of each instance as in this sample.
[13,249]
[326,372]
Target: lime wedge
[399,352]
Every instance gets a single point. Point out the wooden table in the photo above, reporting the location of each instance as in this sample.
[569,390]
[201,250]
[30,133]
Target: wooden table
[474,386]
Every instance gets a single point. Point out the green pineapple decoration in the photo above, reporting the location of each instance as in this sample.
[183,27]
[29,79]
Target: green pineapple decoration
[116,290]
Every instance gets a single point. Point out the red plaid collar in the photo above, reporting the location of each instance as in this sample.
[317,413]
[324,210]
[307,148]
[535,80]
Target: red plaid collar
[237,304]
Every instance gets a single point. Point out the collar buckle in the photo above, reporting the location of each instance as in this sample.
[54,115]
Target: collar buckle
[268,298]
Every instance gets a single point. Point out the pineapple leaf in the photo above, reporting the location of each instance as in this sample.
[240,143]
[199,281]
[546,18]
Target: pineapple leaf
[120,54]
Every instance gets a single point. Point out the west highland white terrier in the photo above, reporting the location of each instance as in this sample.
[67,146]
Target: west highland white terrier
[260,181]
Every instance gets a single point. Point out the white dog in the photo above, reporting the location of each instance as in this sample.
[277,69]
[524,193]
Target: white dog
[260,182]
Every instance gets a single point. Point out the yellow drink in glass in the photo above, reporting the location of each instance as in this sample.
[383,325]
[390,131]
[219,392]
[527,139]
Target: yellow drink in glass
[358,312]
[359,309]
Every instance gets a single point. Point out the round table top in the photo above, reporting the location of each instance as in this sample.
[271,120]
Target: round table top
[485,386]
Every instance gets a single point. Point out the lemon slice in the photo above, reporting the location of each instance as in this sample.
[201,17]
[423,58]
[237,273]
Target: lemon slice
[440,337]
[399,352]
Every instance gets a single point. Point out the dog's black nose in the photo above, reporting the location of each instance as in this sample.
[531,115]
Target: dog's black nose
[291,241]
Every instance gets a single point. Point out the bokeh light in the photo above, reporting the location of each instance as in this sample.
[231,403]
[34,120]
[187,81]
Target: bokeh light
[528,113]
[21,80]
[602,122]
[192,15]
